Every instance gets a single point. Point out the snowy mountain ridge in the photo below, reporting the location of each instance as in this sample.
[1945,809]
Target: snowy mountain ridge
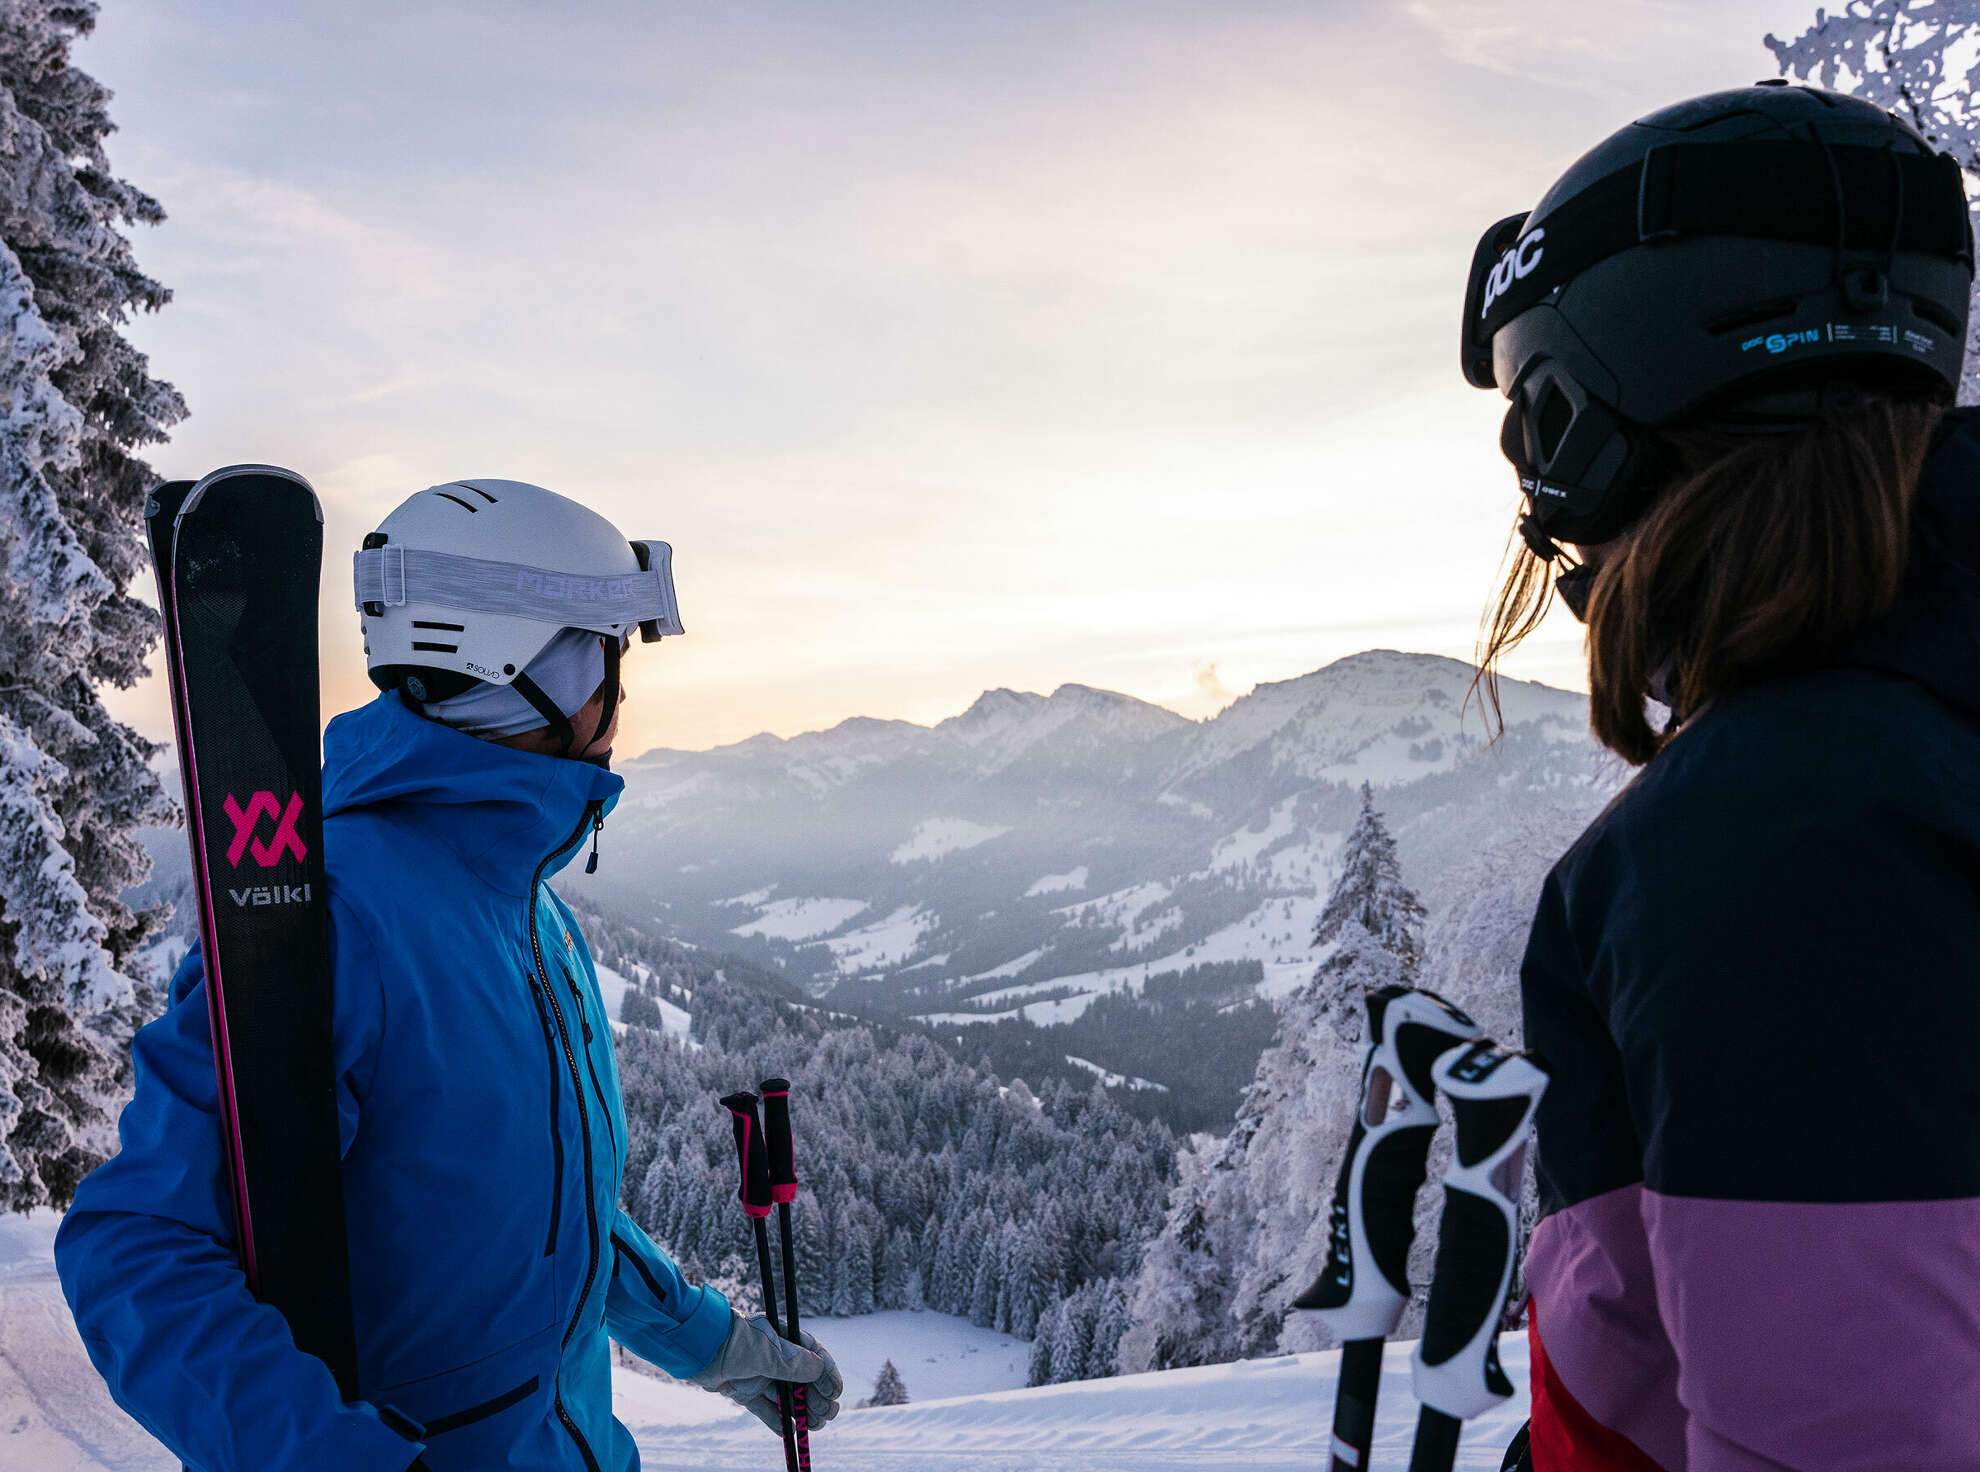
[1080,840]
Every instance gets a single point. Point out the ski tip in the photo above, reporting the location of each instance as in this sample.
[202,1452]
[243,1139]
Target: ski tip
[229,472]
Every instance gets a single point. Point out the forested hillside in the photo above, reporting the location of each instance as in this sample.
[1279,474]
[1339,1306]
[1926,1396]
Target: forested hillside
[925,1181]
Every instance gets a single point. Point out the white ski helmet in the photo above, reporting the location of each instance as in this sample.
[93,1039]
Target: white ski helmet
[470,580]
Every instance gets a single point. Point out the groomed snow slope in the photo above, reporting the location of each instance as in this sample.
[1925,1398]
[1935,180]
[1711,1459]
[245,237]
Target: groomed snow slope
[1270,1415]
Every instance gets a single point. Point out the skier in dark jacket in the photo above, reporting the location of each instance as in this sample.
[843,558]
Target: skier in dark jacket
[1729,334]
[478,1095]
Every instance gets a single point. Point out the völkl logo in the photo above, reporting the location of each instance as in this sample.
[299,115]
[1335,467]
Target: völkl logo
[247,819]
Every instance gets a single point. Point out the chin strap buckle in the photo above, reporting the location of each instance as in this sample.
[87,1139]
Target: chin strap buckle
[1538,542]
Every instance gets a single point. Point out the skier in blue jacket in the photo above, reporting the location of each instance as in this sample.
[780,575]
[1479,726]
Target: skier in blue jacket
[478,1095]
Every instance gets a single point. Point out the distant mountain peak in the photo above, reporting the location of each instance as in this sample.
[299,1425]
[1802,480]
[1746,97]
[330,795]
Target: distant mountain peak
[992,705]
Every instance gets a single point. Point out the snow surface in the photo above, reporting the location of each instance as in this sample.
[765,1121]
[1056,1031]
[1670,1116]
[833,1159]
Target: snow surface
[885,942]
[1115,1080]
[1276,934]
[612,986]
[966,1413]
[939,837]
[1009,968]
[1058,883]
[675,1022]
[1268,1415]
[1245,845]
[801,919]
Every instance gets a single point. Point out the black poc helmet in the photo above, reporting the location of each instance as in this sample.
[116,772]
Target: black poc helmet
[1716,263]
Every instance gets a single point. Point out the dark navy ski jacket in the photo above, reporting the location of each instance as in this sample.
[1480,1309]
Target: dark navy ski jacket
[1757,980]
[483,1146]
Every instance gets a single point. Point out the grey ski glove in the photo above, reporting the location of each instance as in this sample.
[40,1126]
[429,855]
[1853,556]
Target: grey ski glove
[755,1357]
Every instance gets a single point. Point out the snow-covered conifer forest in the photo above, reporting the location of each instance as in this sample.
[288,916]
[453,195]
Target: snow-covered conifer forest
[80,406]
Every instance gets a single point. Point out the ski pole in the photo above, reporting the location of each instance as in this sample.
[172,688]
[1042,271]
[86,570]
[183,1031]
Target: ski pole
[754,1194]
[1362,1291]
[776,1094]
[1494,1094]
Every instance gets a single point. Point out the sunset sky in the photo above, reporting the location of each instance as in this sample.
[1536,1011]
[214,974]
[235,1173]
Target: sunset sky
[952,345]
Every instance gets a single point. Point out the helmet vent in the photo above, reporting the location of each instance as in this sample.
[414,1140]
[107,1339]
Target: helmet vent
[456,500]
[477,490]
[1938,316]
[437,648]
[1552,422]
[1751,316]
[420,623]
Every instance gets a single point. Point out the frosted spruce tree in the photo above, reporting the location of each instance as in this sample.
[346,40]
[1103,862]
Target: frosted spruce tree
[76,403]
[1918,58]
[1247,1227]
[888,1388]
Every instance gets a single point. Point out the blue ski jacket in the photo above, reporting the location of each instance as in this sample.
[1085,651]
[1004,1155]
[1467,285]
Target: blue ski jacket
[483,1140]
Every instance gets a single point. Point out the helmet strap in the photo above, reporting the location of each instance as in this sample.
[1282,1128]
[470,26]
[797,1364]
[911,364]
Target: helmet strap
[1576,586]
[547,708]
[1576,580]
[611,689]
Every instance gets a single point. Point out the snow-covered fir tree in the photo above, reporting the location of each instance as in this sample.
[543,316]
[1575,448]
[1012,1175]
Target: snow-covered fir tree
[76,404]
[1473,951]
[1247,1226]
[1079,1338]
[1369,892]
[888,1388]
[1921,60]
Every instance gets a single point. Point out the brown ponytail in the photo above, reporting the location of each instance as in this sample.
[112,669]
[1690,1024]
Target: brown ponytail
[1762,558]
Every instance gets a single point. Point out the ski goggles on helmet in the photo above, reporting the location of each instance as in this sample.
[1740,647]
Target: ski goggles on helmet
[1585,471]
[395,575]
[1496,264]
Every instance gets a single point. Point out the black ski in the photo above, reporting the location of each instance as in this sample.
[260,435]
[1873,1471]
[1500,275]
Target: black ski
[239,559]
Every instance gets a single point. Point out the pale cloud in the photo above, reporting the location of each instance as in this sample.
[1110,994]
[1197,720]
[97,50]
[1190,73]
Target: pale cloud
[1627,47]
[952,347]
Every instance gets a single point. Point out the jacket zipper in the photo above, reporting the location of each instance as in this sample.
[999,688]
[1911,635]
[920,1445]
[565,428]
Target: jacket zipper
[591,812]
[556,1132]
[577,997]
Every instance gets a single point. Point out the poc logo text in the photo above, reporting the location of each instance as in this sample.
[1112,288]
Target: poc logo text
[1515,265]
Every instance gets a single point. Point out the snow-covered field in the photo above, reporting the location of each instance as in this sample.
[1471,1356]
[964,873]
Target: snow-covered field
[966,1412]
[612,987]
[1115,1080]
[885,942]
[801,919]
[1058,883]
[1271,1415]
[942,836]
